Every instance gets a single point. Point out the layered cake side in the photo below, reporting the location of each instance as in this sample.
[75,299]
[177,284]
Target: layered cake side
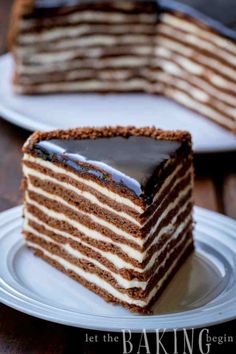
[111,207]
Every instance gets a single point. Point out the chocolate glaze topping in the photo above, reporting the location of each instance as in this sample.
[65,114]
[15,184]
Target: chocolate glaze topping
[130,162]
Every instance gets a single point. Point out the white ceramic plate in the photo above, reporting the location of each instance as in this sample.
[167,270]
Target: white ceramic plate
[202,293]
[73,110]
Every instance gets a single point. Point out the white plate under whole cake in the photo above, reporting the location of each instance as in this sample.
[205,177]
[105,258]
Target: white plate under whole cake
[73,110]
[202,293]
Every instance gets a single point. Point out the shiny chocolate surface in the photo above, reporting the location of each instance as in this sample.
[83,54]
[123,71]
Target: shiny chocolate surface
[130,162]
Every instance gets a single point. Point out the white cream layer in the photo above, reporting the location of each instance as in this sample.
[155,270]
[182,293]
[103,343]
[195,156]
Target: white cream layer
[106,286]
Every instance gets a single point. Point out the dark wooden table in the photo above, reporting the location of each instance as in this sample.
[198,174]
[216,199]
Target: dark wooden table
[215,189]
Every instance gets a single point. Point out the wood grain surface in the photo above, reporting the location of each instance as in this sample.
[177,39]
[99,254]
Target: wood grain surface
[215,189]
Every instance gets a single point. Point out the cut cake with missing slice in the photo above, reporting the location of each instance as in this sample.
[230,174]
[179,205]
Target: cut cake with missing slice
[111,207]
[183,50]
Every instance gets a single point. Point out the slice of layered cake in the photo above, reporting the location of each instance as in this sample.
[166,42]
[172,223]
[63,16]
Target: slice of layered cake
[111,207]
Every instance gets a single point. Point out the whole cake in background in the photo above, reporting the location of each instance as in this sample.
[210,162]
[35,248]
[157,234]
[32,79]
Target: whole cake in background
[102,46]
[182,49]
[111,207]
